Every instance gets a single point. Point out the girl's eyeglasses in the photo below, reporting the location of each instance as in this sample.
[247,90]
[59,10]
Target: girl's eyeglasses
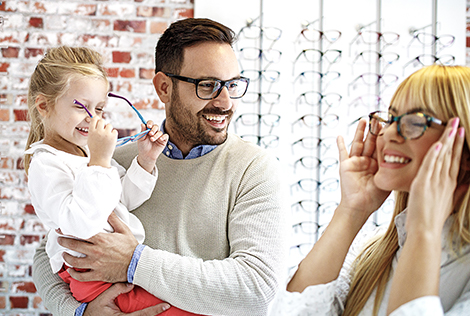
[123,140]
[409,125]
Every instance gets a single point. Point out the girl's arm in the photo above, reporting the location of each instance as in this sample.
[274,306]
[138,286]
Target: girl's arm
[432,198]
[359,198]
[151,146]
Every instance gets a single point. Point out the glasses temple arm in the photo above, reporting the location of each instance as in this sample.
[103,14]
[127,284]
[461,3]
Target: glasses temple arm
[128,102]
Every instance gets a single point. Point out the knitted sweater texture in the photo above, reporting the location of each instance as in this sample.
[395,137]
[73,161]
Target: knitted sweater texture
[214,230]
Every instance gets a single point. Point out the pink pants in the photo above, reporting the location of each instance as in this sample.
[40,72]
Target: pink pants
[132,301]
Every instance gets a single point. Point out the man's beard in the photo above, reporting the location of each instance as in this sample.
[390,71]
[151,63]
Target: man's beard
[189,127]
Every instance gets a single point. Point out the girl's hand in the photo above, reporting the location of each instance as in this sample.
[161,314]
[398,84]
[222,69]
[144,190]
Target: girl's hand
[359,194]
[151,146]
[101,142]
[432,192]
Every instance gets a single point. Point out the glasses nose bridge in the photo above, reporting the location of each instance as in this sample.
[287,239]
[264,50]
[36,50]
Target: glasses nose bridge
[393,120]
[222,85]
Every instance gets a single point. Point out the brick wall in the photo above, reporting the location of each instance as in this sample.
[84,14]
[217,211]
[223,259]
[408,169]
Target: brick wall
[125,32]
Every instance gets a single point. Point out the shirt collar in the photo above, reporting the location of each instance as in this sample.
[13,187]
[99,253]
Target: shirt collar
[173,152]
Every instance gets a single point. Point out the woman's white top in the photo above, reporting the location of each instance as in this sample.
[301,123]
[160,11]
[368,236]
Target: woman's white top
[69,195]
[329,299]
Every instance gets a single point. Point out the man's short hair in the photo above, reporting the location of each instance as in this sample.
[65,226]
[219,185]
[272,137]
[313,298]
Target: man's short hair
[185,33]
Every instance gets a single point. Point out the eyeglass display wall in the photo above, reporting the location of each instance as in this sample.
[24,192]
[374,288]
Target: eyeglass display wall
[316,67]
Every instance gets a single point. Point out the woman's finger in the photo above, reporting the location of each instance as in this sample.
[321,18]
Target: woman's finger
[343,151]
[357,145]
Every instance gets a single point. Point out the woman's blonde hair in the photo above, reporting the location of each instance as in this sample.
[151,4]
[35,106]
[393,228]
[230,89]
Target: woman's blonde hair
[444,91]
[52,77]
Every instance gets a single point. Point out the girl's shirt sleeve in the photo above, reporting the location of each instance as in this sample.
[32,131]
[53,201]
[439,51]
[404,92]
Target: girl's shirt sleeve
[137,184]
[76,200]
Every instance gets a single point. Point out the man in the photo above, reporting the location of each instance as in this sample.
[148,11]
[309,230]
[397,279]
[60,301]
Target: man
[214,224]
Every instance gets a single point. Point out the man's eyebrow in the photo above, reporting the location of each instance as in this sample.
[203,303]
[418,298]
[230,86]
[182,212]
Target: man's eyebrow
[214,78]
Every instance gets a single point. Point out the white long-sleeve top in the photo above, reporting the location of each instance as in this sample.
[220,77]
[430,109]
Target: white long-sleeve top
[68,194]
[329,299]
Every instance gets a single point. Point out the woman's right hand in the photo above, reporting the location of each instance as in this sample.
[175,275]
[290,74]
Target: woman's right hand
[359,194]
[101,142]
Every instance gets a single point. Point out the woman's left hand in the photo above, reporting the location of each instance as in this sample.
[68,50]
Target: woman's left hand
[432,192]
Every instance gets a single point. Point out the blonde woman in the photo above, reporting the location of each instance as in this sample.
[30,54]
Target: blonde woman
[421,264]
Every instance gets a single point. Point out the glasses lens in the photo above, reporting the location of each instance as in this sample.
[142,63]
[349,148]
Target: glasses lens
[237,88]
[252,32]
[426,39]
[136,137]
[446,40]
[250,53]
[312,35]
[312,55]
[332,35]
[413,125]
[272,33]
[390,37]
[370,37]
[207,89]
[272,55]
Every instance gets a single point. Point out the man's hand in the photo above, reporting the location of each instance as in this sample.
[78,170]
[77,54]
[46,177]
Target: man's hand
[107,255]
[104,304]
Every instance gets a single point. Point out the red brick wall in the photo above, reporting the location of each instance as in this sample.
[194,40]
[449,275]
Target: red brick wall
[125,32]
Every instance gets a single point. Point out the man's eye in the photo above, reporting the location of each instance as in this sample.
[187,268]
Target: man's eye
[207,84]
[233,84]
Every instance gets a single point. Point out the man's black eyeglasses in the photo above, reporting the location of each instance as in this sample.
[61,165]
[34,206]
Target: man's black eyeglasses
[208,89]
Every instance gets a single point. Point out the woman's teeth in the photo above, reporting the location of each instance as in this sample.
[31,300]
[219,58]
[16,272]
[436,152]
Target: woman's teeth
[395,159]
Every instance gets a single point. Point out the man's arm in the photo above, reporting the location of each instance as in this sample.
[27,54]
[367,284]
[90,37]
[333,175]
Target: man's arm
[54,292]
[242,284]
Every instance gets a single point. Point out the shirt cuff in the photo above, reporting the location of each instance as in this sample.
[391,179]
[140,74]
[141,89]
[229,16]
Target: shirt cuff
[81,309]
[133,265]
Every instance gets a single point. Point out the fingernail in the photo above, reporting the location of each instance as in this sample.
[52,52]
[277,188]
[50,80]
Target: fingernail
[455,123]
[438,147]
[165,307]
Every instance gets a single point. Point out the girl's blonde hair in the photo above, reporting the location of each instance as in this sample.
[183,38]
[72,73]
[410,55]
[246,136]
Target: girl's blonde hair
[51,79]
[444,91]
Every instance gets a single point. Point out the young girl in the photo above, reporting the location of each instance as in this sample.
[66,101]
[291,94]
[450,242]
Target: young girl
[75,184]
[421,264]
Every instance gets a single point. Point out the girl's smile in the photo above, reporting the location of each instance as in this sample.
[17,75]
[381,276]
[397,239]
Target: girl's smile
[67,123]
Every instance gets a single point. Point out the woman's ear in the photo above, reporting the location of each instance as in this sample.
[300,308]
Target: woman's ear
[163,86]
[41,105]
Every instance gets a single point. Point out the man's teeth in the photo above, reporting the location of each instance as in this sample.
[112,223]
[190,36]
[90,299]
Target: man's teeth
[81,129]
[395,159]
[218,119]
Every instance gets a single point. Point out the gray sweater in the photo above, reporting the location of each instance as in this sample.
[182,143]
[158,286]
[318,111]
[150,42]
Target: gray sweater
[215,231]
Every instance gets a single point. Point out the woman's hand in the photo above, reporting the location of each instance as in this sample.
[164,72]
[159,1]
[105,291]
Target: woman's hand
[359,194]
[432,197]
[151,146]
[101,142]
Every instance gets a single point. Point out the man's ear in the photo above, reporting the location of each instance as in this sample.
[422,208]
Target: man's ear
[41,105]
[163,86]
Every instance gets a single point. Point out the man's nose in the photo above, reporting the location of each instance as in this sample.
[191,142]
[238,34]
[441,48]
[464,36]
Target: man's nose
[223,100]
